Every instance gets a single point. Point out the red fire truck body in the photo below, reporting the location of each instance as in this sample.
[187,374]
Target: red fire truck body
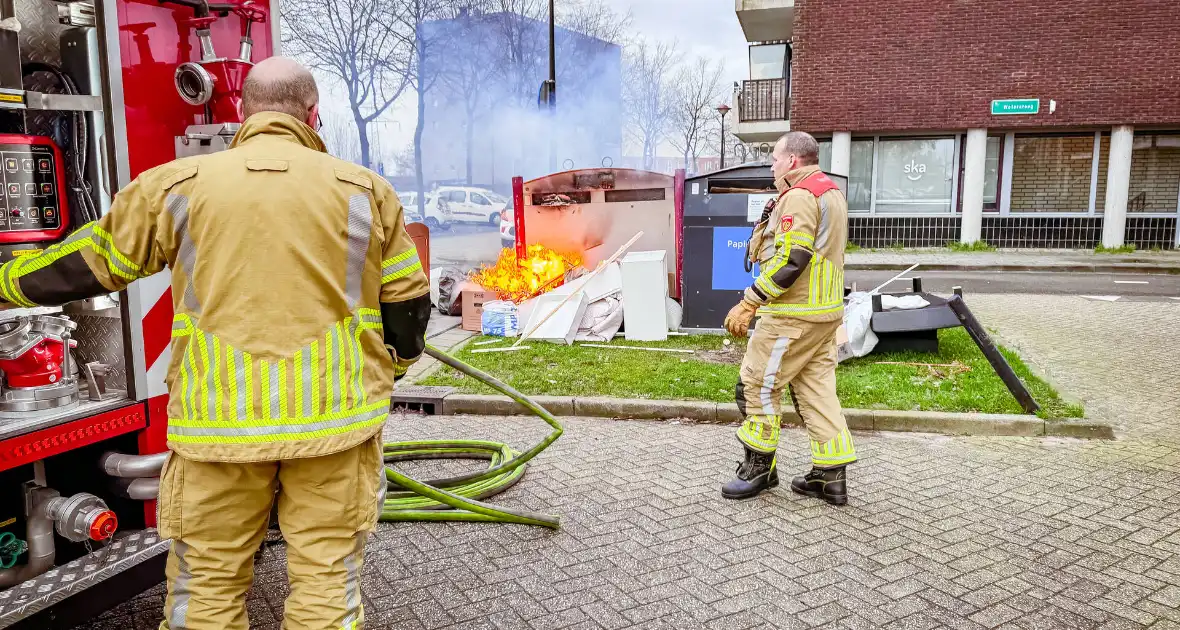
[91,95]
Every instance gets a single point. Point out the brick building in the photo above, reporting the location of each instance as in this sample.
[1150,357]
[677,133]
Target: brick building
[1042,123]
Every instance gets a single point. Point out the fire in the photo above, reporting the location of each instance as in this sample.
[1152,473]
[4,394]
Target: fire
[542,270]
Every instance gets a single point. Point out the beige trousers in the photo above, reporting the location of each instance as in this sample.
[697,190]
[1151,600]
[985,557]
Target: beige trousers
[788,354]
[217,513]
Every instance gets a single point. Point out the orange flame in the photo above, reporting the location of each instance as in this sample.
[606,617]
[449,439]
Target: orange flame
[542,270]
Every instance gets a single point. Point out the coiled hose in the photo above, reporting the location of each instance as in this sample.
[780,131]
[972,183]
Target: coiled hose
[459,498]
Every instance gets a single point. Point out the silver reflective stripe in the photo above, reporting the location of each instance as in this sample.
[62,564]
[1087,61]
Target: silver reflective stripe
[305,373]
[398,268]
[773,363]
[103,243]
[240,383]
[273,394]
[180,593]
[235,430]
[352,585]
[186,253]
[360,222]
[821,235]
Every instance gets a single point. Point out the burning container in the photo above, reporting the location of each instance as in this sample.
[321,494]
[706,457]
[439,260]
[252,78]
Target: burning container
[720,210]
[592,212]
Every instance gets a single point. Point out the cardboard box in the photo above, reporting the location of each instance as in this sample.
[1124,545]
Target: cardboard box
[843,349]
[473,300]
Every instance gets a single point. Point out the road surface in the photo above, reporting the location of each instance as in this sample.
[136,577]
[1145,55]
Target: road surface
[1139,287]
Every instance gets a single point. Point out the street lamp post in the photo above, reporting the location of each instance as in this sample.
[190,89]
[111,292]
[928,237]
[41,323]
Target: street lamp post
[723,109]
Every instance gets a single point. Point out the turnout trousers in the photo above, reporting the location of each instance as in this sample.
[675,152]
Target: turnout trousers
[216,515]
[789,354]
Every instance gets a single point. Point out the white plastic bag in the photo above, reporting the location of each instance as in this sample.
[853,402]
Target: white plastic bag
[903,303]
[499,319]
[858,316]
[602,320]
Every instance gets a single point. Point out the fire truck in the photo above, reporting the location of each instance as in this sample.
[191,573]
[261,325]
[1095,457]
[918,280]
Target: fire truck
[92,93]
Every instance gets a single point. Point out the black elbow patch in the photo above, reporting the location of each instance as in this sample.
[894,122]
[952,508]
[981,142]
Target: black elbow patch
[405,325]
[69,278]
[796,263]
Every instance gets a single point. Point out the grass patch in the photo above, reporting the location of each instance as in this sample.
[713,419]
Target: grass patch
[711,373]
[852,247]
[1124,249]
[977,246]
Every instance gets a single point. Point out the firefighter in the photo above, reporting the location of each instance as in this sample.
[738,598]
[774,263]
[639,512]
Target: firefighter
[798,297]
[299,299]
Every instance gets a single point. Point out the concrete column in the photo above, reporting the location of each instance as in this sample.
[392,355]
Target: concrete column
[974,165]
[841,153]
[1118,186]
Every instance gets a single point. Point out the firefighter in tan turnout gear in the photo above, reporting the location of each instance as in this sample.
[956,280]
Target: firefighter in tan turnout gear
[299,299]
[799,300]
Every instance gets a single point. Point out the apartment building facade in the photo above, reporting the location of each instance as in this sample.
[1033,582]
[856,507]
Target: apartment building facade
[1022,123]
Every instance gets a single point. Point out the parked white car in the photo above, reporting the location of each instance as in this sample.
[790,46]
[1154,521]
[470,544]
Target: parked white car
[473,205]
[507,228]
[438,212]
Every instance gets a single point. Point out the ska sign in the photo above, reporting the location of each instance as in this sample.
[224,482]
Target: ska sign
[914,171]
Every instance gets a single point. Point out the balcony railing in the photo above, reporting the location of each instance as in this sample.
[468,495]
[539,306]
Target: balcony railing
[763,100]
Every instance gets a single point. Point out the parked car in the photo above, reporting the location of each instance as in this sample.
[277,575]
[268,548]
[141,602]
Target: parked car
[473,205]
[507,228]
[438,211]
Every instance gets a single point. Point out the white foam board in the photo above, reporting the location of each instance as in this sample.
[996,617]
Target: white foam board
[563,326]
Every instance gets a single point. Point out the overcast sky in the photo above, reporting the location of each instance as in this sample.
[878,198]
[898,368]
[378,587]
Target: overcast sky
[699,27]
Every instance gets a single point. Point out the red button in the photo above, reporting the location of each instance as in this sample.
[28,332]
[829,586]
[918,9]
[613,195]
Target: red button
[43,165]
[49,213]
[14,189]
[15,212]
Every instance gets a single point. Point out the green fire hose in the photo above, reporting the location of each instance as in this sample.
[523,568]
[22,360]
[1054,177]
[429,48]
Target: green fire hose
[459,498]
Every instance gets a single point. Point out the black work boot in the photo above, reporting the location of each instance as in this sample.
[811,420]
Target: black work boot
[755,474]
[829,484]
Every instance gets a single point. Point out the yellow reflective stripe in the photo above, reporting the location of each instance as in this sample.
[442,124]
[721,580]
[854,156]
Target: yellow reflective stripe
[750,433]
[298,366]
[275,437]
[264,387]
[249,393]
[217,390]
[839,450]
[341,373]
[799,309]
[400,266]
[104,245]
[315,378]
[283,389]
[231,368]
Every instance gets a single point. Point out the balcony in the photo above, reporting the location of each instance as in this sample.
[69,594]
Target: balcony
[766,20]
[763,110]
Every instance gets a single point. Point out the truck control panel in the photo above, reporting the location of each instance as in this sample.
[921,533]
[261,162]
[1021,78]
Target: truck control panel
[33,208]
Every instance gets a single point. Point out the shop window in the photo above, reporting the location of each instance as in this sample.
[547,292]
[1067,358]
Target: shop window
[860,177]
[915,175]
[1052,173]
[825,156]
[991,172]
[1155,173]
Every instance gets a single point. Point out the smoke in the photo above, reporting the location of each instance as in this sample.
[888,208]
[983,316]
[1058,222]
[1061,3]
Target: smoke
[483,122]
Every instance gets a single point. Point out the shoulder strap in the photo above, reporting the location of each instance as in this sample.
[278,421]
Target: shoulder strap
[817,184]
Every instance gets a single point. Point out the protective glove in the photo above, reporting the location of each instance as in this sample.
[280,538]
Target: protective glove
[737,322]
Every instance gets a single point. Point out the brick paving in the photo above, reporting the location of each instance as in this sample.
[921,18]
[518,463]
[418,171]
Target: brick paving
[1012,533]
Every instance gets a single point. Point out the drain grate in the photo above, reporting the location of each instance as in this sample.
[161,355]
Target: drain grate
[424,398]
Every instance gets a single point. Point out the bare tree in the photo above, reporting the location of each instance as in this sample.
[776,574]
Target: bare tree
[357,43]
[467,74]
[696,92]
[340,137]
[649,72]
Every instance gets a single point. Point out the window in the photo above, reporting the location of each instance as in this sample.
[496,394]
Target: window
[479,200]
[1052,173]
[768,61]
[991,173]
[456,196]
[860,176]
[825,156]
[1155,173]
[915,175]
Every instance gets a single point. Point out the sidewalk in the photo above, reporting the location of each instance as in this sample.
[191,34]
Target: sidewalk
[1059,260]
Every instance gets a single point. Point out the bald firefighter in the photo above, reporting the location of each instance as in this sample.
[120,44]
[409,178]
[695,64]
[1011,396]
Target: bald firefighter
[299,299]
[799,300]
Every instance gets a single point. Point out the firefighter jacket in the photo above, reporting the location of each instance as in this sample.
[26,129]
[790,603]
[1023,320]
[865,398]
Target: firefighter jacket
[799,248]
[297,293]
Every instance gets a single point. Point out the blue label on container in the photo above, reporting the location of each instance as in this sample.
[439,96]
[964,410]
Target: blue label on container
[729,255]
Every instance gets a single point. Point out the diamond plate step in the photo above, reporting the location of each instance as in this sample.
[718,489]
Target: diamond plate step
[76,581]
